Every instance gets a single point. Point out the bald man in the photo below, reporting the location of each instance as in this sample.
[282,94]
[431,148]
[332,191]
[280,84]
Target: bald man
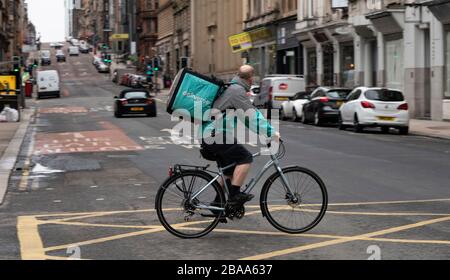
[231,152]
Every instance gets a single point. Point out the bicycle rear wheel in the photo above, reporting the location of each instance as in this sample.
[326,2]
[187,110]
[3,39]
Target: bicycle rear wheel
[299,212]
[186,219]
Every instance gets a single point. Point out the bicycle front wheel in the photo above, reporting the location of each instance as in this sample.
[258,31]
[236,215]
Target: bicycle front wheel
[183,216]
[296,212]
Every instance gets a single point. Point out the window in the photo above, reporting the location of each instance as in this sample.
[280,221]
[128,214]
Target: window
[385,95]
[394,64]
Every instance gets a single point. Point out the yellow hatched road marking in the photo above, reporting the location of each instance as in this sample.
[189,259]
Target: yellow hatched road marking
[31,246]
[344,240]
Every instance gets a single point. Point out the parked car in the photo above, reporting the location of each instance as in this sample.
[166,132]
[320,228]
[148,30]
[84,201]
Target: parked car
[103,68]
[48,84]
[96,60]
[137,81]
[277,89]
[45,57]
[375,107]
[60,56]
[293,109]
[135,102]
[84,49]
[74,51]
[324,105]
[125,79]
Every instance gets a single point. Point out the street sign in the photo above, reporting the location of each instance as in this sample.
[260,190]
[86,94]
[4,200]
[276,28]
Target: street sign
[8,85]
[240,42]
[116,37]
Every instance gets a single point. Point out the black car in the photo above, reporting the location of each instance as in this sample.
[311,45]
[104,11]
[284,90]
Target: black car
[324,105]
[135,102]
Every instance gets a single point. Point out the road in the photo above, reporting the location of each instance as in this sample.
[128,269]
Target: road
[86,182]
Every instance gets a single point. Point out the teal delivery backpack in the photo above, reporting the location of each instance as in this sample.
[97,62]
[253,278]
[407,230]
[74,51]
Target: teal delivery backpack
[193,94]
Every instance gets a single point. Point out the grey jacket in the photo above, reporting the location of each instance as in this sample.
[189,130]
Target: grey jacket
[235,98]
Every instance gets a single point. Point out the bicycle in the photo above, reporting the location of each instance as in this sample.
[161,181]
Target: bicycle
[192,191]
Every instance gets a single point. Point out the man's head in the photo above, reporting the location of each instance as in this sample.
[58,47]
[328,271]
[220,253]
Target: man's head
[246,73]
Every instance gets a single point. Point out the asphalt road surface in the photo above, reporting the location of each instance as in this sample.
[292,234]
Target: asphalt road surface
[86,182]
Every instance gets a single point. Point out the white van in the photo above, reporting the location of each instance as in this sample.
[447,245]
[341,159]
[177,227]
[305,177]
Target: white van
[48,84]
[276,89]
[74,51]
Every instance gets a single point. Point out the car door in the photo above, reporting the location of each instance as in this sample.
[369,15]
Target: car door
[352,106]
[346,106]
[308,106]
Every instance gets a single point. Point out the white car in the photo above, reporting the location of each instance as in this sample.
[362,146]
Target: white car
[293,109]
[74,51]
[375,107]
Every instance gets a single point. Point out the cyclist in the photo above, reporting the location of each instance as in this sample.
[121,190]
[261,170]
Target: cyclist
[219,142]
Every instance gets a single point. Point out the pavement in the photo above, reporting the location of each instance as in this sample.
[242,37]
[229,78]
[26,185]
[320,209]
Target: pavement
[427,128]
[84,187]
[11,139]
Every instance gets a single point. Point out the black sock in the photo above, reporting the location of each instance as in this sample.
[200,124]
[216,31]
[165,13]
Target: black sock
[234,190]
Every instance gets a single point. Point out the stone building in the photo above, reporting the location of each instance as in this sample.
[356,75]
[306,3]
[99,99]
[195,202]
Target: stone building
[182,32]
[213,22]
[147,27]
[164,45]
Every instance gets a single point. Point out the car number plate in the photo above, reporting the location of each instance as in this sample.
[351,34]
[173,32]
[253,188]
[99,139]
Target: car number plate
[339,104]
[281,98]
[390,119]
[137,109]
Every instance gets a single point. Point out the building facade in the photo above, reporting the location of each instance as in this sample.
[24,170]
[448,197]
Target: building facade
[147,27]
[210,50]
[164,44]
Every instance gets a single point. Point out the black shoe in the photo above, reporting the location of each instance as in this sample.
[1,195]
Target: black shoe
[241,198]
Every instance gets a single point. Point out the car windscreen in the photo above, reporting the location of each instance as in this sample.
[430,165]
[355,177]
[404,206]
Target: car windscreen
[385,95]
[133,95]
[338,94]
[301,96]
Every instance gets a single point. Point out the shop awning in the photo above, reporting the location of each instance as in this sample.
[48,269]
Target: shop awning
[387,22]
[440,9]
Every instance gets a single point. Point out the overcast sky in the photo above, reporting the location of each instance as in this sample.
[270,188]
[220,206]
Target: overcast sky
[48,17]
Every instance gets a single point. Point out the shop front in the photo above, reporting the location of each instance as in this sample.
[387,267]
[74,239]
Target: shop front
[289,52]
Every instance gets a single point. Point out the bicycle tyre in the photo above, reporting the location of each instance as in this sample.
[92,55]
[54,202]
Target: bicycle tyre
[266,210]
[160,196]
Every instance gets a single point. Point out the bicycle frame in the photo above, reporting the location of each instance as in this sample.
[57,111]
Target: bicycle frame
[274,162]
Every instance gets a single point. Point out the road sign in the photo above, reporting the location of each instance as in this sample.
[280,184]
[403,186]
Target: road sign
[8,85]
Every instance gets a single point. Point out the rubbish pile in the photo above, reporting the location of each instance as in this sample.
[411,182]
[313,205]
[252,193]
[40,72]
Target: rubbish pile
[9,115]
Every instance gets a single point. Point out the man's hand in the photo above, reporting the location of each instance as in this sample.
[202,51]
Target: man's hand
[277,137]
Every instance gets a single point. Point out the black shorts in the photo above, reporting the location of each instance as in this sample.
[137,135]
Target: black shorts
[228,154]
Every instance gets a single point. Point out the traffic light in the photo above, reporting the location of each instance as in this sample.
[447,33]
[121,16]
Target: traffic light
[16,64]
[150,68]
[156,64]
[107,58]
[105,46]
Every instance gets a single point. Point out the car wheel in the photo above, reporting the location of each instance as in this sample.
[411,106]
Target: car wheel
[304,119]
[342,126]
[403,130]
[357,126]
[317,121]
[294,115]
[152,115]
[385,130]
[117,115]
[282,115]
